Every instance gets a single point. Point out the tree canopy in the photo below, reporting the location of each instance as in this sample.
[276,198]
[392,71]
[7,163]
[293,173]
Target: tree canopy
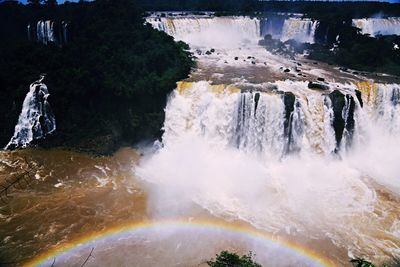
[108,85]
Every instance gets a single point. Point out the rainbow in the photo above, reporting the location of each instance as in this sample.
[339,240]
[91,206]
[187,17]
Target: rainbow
[131,228]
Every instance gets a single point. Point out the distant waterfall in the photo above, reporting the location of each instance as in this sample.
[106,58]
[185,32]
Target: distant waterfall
[275,124]
[227,31]
[300,30]
[376,27]
[36,119]
[45,31]
[48,31]
[210,31]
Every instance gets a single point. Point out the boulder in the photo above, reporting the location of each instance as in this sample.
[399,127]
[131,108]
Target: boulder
[318,86]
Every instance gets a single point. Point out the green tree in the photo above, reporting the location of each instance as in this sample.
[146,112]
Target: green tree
[358,262]
[50,2]
[34,2]
[228,259]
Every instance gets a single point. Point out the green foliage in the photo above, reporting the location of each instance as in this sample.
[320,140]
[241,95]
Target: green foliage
[358,262]
[228,259]
[109,83]
[361,52]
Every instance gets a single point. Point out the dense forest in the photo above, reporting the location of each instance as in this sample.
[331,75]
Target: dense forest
[108,85]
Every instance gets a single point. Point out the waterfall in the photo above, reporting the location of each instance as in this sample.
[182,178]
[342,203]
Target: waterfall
[36,120]
[378,26]
[300,30]
[273,124]
[210,31]
[262,154]
[273,26]
[45,31]
[226,31]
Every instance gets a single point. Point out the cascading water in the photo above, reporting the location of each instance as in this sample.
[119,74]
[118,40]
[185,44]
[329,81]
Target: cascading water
[274,123]
[206,30]
[237,30]
[36,120]
[45,31]
[300,30]
[266,156]
[378,26]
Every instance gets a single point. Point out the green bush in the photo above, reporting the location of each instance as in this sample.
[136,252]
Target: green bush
[228,259]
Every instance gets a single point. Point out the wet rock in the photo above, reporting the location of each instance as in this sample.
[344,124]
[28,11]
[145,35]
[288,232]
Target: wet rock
[356,72]
[343,69]
[256,99]
[338,102]
[318,86]
[343,116]
[320,79]
[288,100]
[359,97]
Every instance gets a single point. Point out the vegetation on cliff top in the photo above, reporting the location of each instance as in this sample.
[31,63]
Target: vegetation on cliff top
[108,85]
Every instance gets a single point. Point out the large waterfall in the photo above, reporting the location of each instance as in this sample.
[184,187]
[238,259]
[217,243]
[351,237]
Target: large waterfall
[291,160]
[206,30]
[36,120]
[377,26]
[291,119]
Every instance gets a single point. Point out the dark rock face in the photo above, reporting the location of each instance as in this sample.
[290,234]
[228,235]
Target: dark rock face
[338,102]
[318,86]
[289,100]
[343,122]
[256,99]
[396,97]
[359,97]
